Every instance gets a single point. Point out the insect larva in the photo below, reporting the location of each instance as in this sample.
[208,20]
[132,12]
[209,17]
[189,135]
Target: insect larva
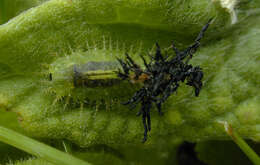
[79,81]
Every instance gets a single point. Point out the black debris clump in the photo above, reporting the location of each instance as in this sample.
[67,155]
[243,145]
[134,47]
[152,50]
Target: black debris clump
[161,77]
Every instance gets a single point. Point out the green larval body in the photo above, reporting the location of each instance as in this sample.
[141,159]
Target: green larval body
[87,79]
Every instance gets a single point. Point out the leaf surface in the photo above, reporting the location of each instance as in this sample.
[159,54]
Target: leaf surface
[53,36]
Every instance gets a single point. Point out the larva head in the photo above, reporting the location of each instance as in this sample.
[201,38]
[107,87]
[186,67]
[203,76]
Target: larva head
[88,76]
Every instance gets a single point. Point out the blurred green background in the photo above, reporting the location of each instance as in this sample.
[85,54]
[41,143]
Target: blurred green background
[11,8]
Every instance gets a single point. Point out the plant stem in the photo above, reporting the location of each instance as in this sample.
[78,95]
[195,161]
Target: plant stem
[242,144]
[38,149]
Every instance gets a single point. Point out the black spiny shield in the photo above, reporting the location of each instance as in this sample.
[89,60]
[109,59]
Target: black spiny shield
[161,77]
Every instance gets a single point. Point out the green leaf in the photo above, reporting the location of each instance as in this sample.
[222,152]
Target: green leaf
[52,37]
[31,162]
[36,148]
